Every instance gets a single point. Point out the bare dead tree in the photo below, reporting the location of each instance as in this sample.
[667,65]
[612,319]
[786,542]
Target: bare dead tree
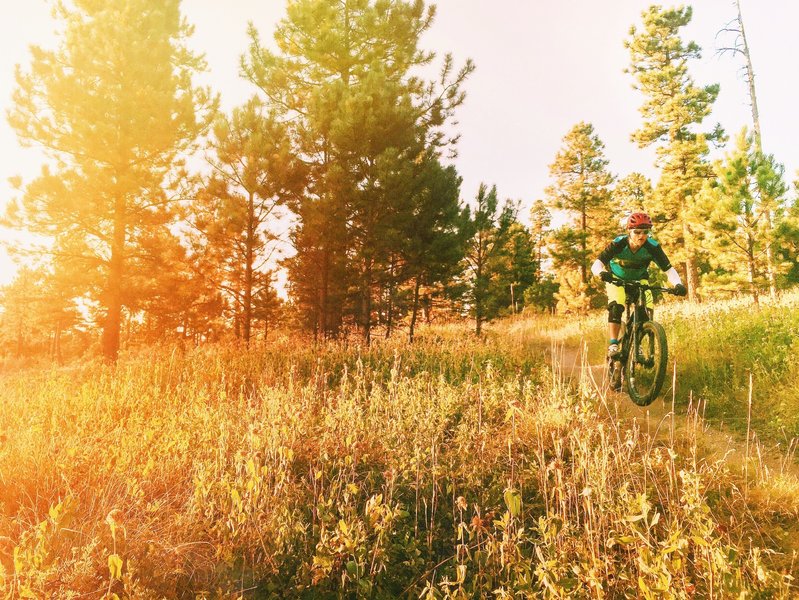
[740,47]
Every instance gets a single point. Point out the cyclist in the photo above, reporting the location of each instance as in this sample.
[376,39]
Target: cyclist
[628,257]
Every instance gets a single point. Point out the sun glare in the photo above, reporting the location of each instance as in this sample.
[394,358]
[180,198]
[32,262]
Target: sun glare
[31,25]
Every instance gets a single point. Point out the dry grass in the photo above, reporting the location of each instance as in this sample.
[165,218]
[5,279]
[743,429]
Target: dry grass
[454,468]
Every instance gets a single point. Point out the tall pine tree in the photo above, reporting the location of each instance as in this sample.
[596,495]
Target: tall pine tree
[114,106]
[581,189]
[744,200]
[633,193]
[342,76]
[488,228]
[673,109]
[254,174]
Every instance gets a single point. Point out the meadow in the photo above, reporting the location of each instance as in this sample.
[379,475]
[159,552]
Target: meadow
[457,467]
[725,354]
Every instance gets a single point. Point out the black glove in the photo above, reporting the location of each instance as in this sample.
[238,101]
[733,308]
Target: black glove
[606,276]
[679,290]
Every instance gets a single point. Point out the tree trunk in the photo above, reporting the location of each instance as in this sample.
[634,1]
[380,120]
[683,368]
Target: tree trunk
[323,291]
[113,293]
[691,272]
[250,241]
[478,302]
[584,246]
[55,354]
[390,312]
[478,283]
[691,278]
[750,79]
[20,338]
[427,308]
[366,303]
[750,259]
[512,300]
[415,310]
[390,294]
[538,263]
[770,271]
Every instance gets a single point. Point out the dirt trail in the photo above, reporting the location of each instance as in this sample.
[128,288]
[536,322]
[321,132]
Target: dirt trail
[667,421]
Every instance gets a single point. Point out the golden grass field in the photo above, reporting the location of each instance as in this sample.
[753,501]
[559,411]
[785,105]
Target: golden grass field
[454,468]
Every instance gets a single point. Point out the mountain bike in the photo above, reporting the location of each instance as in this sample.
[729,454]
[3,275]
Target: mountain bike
[641,362]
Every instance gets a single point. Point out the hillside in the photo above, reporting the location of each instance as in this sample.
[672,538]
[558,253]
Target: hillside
[452,468]
[720,350]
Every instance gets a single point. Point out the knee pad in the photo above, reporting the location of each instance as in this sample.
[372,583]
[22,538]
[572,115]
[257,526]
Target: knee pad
[615,311]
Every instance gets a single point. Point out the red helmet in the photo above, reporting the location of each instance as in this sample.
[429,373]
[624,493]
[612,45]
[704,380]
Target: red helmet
[639,220]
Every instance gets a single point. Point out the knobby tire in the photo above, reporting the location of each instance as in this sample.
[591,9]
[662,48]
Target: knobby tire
[646,363]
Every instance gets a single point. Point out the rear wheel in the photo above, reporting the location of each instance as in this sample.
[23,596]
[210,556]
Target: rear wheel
[646,363]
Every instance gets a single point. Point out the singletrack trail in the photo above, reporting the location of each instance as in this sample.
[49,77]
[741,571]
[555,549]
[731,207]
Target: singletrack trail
[667,420]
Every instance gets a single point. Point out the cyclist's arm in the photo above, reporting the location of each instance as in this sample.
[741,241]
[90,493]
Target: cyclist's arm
[674,277]
[611,250]
[662,261]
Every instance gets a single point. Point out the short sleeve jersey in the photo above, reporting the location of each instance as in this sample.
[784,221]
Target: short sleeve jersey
[633,266]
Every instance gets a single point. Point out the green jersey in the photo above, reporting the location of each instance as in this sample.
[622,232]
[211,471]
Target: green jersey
[633,266]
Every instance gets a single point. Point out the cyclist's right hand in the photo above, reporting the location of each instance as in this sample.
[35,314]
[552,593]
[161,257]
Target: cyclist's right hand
[679,290]
[606,276]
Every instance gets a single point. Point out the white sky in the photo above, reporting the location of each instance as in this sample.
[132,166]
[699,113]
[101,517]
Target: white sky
[541,68]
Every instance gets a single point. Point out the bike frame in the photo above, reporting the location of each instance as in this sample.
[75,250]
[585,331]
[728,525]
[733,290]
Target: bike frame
[636,315]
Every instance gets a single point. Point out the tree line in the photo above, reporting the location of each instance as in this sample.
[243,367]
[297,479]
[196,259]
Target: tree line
[346,145]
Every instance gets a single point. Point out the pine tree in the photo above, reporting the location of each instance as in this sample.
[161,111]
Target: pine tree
[114,107]
[541,294]
[254,174]
[674,106]
[572,295]
[428,235]
[267,307]
[747,194]
[488,226]
[540,221]
[634,193]
[786,247]
[38,309]
[342,75]
[581,189]
[514,268]
[179,302]
[741,46]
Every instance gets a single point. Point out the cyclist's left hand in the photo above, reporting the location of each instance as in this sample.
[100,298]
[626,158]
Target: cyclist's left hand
[679,290]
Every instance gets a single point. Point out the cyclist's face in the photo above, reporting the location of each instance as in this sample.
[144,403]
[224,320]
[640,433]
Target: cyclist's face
[637,238]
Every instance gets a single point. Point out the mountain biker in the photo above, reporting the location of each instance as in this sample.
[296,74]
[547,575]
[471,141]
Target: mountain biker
[628,257]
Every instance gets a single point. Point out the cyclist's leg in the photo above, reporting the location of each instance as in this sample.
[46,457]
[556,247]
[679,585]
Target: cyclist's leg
[616,299]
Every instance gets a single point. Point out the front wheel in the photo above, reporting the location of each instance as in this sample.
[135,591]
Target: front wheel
[646,363]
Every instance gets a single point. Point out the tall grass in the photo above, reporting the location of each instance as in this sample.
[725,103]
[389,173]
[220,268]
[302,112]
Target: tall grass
[454,468]
[719,349]
[723,347]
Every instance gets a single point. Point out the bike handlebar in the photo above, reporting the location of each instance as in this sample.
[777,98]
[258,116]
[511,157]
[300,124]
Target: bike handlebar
[642,286]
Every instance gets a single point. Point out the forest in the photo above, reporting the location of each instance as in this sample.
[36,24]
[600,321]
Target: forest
[157,215]
[406,396]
